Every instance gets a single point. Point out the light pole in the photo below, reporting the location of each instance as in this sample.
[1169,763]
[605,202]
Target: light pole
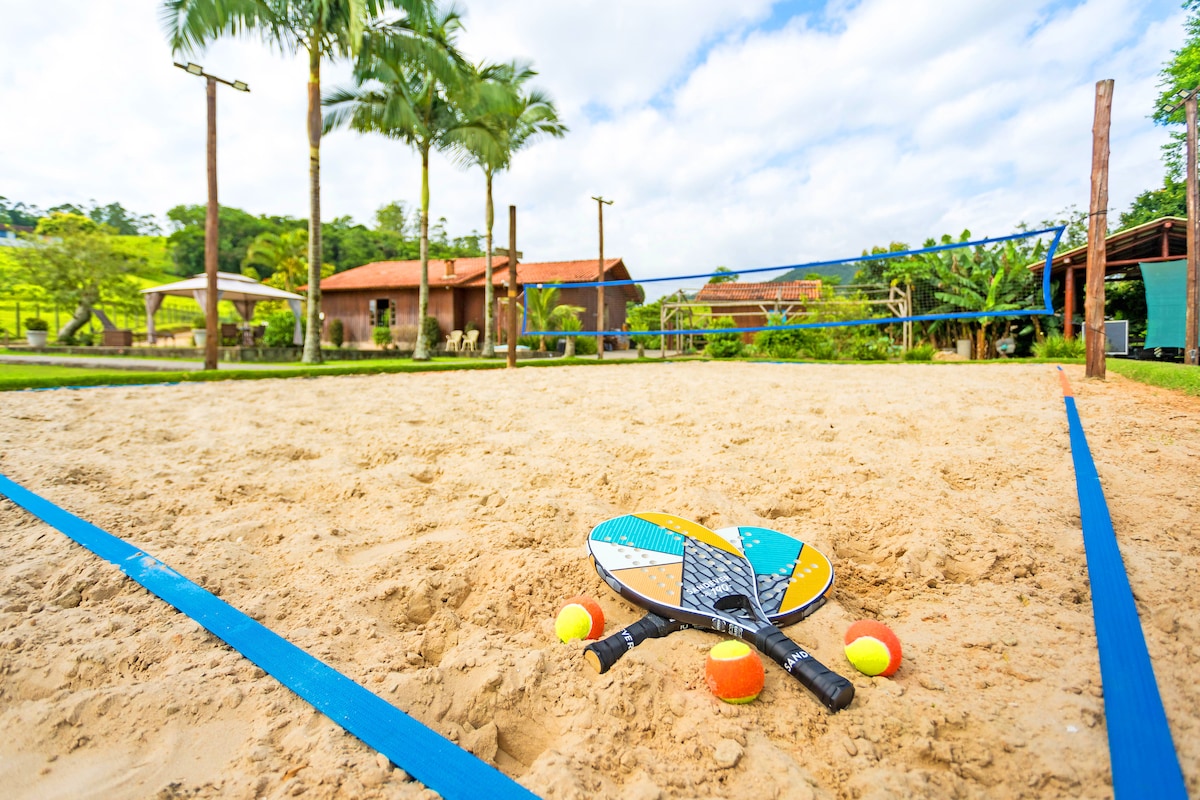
[600,204]
[212,336]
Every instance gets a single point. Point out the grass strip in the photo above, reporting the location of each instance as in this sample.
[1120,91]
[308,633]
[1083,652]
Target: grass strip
[1180,377]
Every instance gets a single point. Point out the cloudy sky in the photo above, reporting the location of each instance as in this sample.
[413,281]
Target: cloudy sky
[742,134]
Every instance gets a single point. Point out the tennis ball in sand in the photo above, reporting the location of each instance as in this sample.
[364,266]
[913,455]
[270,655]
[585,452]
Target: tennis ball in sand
[734,672]
[579,618]
[872,648]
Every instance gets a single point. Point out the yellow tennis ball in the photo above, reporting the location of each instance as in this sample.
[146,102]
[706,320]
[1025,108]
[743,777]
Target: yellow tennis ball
[579,618]
[873,648]
[734,672]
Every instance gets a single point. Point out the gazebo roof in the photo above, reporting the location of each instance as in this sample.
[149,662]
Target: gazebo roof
[230,286]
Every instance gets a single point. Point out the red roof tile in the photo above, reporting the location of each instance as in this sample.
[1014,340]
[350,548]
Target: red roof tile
[760,292]
[469,272]
[397,274]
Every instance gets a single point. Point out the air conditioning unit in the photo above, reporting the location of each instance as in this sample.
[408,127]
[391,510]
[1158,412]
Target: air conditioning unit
[1116,337]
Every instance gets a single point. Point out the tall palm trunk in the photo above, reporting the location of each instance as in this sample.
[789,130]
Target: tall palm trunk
[421,352]
[312,335]
[489,344]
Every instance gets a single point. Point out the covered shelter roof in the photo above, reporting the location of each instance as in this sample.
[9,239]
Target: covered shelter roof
[230,286]
[1163,239]
[243,291]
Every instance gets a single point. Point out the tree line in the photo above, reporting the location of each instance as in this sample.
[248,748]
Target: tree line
[248,242]
[412,84]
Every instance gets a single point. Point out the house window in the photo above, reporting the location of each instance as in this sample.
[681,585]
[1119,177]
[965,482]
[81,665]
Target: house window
[381,313]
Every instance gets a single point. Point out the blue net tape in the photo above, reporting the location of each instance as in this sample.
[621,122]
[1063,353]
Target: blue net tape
[426,755]
[1046,309]
[1144,763]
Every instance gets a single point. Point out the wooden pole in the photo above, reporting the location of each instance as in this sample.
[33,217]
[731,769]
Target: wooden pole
[210,236]
[1069,304]
[1191,324]
[512,287]
[1093,303]
[600,203]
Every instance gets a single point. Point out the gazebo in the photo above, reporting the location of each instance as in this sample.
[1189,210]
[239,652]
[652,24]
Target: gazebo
[242,291]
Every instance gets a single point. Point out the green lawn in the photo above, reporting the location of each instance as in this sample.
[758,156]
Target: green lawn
[22,376]
[1180,377]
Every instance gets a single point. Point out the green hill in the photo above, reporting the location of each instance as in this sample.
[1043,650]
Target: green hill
[843,271]
[150,260]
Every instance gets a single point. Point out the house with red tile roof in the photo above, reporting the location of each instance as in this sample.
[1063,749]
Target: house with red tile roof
[385,293]
[750,303]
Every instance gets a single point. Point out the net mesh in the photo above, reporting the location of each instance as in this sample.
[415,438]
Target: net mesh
[946,290]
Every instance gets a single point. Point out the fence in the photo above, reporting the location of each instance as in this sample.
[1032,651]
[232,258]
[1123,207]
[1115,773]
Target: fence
[14,313]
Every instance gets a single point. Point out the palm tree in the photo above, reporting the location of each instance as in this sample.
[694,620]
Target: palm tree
[279,255]
[543,312]
[502,122]
[322,29]
[413,100]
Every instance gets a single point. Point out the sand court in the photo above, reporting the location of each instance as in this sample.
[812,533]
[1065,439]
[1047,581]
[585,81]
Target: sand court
[417,532]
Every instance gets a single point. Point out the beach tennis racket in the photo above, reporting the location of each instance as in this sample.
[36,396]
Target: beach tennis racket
[792,580]
[681,570]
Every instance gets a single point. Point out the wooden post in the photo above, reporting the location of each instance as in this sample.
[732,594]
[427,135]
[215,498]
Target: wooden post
[512,287]
[1093,302]
[210,236]
[601,203]
[1191,326]
[1069,304]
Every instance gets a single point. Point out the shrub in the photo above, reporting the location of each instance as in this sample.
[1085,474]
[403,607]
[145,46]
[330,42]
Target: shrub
[84,338]
[406,336]
[200,322]
[873,348]
[585,345]
[280,327]
[337,332]
[1058,347]
[723,345]
[922,352]
[36,324]
[433,332]
[382,336]
[779,344]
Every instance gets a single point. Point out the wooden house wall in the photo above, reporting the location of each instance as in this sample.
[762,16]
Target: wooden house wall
[453,308]
[614,306]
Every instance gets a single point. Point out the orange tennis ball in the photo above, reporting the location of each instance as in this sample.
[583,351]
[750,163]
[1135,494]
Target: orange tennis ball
[872,648]
[734,672]
[579,618]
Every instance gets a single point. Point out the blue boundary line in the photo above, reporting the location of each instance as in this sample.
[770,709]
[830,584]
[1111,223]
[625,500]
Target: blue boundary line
[1142,752]
[1047,310]
[426,755]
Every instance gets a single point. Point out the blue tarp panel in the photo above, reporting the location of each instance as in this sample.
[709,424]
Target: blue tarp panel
[1166,303]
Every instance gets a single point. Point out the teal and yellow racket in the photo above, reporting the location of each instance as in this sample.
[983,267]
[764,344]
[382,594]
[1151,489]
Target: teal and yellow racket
[792,579]
[682,571]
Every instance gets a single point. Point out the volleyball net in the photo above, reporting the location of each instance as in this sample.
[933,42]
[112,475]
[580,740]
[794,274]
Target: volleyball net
[946,288]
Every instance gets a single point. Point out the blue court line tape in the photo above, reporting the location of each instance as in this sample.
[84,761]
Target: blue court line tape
[426,755]
[1142,752]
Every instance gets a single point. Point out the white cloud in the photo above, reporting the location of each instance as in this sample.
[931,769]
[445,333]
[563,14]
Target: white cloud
[721,143]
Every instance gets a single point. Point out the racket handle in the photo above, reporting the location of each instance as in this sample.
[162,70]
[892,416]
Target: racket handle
[606,652]
[834,691]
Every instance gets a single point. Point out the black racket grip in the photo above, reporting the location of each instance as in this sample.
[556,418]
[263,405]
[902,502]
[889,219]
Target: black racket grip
[834,691]
[606,652]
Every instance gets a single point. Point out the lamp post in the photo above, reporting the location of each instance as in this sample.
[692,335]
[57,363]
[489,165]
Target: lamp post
[600,204]
[212,335]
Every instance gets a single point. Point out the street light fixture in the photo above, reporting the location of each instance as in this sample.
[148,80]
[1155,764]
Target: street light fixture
[212,334]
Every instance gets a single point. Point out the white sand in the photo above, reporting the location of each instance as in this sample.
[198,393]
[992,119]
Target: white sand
[417,532]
